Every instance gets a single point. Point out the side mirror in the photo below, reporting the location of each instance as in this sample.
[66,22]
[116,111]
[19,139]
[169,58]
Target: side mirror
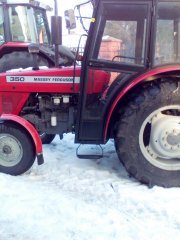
[70,19]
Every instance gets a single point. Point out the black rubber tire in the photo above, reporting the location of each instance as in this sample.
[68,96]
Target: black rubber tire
[26,146]
[140,105]
[21,59]
[47,138]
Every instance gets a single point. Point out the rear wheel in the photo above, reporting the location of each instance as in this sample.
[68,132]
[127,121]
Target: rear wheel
[148,135]
[17,153]
[17,60]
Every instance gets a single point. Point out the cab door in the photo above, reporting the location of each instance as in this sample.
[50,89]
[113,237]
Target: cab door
[117,49]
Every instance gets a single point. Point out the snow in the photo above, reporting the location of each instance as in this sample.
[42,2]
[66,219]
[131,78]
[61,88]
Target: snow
[75,199]
[25,69]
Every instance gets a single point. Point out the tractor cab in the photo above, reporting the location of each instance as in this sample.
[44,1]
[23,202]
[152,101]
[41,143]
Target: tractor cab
[126,39]
[24,21]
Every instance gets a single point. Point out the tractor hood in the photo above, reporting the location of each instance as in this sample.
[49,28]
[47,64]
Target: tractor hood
[54,80]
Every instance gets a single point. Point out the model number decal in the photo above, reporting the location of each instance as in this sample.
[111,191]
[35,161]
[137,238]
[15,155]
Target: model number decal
[16,79]
[37,79]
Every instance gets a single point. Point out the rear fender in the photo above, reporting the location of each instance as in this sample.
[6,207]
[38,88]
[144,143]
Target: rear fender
[147,76]
[31,131]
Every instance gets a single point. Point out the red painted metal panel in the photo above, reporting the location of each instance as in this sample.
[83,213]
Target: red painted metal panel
[54,80]
[46,80]
[12,102]
[25,124]
[14,45]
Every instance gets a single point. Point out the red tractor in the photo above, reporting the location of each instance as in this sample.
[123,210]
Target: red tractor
[21,23]
[128,88]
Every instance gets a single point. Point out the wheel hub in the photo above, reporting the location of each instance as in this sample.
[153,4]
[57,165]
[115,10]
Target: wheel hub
[159,138]
[165,136]
[173,139]
[7,149]
[10,150]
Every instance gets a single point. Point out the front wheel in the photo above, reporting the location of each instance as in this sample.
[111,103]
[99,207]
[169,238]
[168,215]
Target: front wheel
[148,135]
[17,153]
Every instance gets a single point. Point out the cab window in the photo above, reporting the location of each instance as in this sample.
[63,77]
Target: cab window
[123,37]
[1,26]
[167,46]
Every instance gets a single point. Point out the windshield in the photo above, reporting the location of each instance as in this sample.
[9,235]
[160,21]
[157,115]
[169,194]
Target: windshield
[28,24]
[1,26]
[85,11]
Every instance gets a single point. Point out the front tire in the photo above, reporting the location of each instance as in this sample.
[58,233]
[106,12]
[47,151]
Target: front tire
[148,134]
[17,153]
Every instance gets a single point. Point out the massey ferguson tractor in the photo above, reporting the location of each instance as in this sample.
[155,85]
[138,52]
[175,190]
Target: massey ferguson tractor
[21,23]
[127,88]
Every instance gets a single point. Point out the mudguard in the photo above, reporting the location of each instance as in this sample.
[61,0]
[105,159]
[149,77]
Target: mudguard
[30,129]
[147,76]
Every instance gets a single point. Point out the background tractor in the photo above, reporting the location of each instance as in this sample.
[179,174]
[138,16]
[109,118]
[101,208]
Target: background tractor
[24,22]
[21,23]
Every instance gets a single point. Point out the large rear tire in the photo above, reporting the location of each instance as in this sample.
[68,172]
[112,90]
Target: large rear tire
[22,59]
[148,134]
[17,152]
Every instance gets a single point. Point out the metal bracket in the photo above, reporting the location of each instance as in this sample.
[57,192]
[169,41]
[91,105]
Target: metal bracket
[89,156]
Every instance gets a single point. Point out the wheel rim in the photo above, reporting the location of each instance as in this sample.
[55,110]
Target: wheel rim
[159,138]
[11,151]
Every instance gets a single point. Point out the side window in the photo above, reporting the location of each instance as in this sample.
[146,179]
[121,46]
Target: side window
[164,42]
[118,41]
[22,24]
[16,24]
[123,38]
[1,26]
[167,46]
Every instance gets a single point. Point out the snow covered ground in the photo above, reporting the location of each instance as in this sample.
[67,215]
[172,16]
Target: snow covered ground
[74,199]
